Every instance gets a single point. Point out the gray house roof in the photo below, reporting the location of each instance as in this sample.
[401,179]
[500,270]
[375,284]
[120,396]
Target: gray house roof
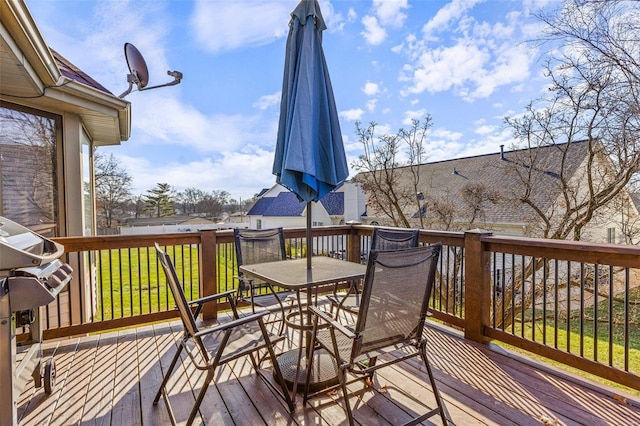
[500,175]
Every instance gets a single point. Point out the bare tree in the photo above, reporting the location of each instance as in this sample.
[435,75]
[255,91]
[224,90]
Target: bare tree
[213,203]
[190,199]
[627,219]
[476,196]
[595,89]
[593,106]
[384,165]
[113,189]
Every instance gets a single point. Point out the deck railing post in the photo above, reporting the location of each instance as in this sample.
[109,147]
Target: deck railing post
[477,285]
[353,245]
[208,272]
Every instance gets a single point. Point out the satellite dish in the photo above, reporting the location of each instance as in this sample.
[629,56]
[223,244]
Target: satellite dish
[139,73]
[137,65]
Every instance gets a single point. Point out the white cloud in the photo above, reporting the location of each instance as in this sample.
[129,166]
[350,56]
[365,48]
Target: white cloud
[390,13]
[227,25]
[240,171]
[485,129]
[475,64]
[352,15]
[413,115]
[446,134]
[384,14]
[160,119]
[373,33]
[351,114]
[371,105]
[268,100]
[370,89]
[441,69]
[452,11]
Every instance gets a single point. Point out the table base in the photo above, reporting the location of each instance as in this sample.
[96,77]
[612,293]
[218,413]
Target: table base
[324,371]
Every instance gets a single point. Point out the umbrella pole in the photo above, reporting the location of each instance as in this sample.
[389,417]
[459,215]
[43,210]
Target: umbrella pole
[309,237]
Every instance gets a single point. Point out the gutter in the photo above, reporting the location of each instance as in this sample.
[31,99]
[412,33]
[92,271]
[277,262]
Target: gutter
[23,29]
[92,98]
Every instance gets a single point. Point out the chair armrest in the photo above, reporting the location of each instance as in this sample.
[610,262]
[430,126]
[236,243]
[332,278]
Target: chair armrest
[241,278]
[210,298]
[332,322]
[231,324]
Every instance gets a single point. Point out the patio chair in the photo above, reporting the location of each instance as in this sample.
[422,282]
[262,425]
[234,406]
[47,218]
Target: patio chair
[210,347]
[390,322]
[382,239]
[259,246]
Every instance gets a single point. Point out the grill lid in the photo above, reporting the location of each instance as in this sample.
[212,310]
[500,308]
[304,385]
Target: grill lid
[21,247]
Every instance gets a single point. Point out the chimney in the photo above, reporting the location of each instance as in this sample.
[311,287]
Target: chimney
[502,153]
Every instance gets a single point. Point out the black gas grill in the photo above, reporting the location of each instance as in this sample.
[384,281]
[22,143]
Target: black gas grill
[31,276]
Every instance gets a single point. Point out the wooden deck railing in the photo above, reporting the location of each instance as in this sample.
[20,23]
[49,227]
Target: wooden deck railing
[573,302]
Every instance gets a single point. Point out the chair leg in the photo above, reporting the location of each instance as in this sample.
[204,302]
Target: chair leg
[444,414]
[281,330]
[276,368]
[372,363]
[312,344]
[165,379]
[203,391]
[342,376]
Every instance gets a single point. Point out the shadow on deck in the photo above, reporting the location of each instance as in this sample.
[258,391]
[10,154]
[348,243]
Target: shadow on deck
[112,379]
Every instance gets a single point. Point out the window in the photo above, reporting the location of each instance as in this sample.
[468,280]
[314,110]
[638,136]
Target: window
[87,185]
[611,235]
[258,223]
[28,168]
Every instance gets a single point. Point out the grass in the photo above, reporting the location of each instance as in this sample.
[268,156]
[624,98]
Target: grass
[602,343]
[132,283]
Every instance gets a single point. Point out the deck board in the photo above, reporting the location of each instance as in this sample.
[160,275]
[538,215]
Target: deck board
[126,387]
[112,378]
[153,342]
[100,391]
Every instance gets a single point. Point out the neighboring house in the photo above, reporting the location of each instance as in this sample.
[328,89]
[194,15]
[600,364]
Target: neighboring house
[236,218]
[279,207]
[52,117]
[483,192]
[171,224]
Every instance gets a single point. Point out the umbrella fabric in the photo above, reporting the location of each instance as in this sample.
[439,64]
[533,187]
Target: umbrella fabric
[309,158]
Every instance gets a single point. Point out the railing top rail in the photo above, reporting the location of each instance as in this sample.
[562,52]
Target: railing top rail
[580,251]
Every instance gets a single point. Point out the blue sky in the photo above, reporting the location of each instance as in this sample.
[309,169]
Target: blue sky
[465,62]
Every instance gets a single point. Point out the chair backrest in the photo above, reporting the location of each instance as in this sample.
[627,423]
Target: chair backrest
[394,239]
[259,245]
[186,315]
[395,297]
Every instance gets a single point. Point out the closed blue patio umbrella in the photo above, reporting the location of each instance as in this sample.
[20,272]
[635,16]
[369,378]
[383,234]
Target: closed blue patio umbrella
[309,156]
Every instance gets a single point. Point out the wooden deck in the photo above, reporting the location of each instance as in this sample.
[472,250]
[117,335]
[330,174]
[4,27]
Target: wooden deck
[111,379]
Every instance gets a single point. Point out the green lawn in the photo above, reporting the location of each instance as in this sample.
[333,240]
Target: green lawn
[590,347]
[131,281]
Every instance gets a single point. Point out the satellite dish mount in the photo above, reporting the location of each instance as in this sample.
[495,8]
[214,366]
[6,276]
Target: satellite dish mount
[139,73]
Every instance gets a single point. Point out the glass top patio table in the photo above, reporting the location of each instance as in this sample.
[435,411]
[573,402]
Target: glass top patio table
[294,275]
